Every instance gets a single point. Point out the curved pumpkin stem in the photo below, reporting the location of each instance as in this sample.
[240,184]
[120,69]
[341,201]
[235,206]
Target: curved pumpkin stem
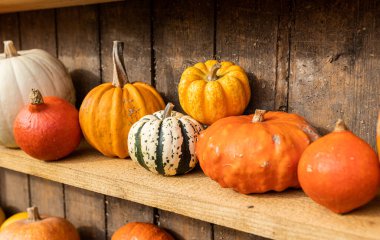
[258,116]
[168,110]
[120,77]
[10,49]
[35,97]
[33,215]
[212,76]
[340,126]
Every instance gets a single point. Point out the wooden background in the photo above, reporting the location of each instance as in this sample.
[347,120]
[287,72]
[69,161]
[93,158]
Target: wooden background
[316,58]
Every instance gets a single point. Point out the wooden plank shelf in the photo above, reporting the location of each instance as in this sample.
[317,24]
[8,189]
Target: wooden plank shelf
[287,215]
[7,6]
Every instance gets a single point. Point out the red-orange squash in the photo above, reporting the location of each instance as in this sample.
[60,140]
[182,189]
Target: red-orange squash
[255,153]
[48,128]
[38,228]
[340,171]
[141,231]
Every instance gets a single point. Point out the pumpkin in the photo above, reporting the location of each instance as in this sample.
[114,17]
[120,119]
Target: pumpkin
[255,153]
[141,231]
[48,128]
[210,91]
[14,218]
[340,171]
[37,228]
[164,142]
[2,216]
[22,71]
[110,109]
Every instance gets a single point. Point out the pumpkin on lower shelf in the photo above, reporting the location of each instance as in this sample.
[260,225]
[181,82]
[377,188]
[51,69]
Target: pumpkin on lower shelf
[37,228]
[110,109]
[340,171]
[48,128]
[164,142]
[255,154]
[141,231]
[14,218]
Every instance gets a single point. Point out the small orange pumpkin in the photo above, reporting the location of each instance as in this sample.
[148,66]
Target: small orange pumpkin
[255,154]
[141,231]
[48,128]
[37,228]
[340,171]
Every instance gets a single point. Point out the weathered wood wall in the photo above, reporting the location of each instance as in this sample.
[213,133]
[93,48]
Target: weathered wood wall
[316,58]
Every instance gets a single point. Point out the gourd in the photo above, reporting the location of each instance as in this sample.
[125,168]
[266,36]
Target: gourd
[37,228]
[255,153]
[14,218]
[47,128]
[210,91]
[141,231]
[110,109]
[340,171]
[164,142]
[22,71]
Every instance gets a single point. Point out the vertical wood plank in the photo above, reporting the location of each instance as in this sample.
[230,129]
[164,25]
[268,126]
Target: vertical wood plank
[223,233]
[38,31]
[78,48]
[9,30]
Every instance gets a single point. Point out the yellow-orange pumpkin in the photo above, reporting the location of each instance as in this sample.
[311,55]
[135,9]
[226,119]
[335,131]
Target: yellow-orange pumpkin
[255,154]
[141,231]
[14,218]
[210,91]
[340,171]
[109,110]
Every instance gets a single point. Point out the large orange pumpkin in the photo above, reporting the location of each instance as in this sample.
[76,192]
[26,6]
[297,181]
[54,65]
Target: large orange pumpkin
[340,171]
[210,91]
[255,154]
[141,231]
[37,228]
[48,128]
[109,110]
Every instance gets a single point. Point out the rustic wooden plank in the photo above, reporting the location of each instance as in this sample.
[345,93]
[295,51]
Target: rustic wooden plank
[223,233]
[120,212]
[254,35]
[286,215]
[9,30]
[129,22]
[24,5]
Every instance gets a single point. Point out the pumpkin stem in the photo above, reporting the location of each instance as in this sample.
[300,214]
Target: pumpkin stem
[120,77]
[212,76]
[10,49]
[33,215]
[168,110]
[340,126]
[258,116]
[35,97]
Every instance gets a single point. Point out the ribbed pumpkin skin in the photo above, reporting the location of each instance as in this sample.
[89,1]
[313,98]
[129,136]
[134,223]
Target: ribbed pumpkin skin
[339,171]
[141,231]
[207,101]
[254,157]
[164,146]
[108,112]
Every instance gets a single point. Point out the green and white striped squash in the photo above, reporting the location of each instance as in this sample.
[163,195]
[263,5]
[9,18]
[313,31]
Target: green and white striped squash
[164,143]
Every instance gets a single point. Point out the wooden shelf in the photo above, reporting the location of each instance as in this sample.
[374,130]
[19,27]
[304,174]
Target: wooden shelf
[286,215]
[7,6]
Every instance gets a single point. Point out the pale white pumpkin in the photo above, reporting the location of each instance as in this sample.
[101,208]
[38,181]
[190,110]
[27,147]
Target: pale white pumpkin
[19,73]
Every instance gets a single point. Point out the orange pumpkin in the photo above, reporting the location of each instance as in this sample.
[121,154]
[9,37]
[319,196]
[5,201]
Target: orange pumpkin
[340,171]
[109,110]
[48,128]
[255,154]
[37,228]
[141,231]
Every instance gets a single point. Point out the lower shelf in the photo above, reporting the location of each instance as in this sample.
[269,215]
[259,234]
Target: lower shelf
[284,215]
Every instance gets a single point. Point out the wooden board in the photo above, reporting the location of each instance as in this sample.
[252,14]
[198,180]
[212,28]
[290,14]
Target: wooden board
[25,5]
[287,215]
[223,233]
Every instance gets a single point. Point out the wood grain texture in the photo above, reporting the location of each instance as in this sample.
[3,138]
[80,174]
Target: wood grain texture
[9,30]
[254,35]
[129,22]
[24,5]
[120,212]
[287,215]
[183,34]
[223,233]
